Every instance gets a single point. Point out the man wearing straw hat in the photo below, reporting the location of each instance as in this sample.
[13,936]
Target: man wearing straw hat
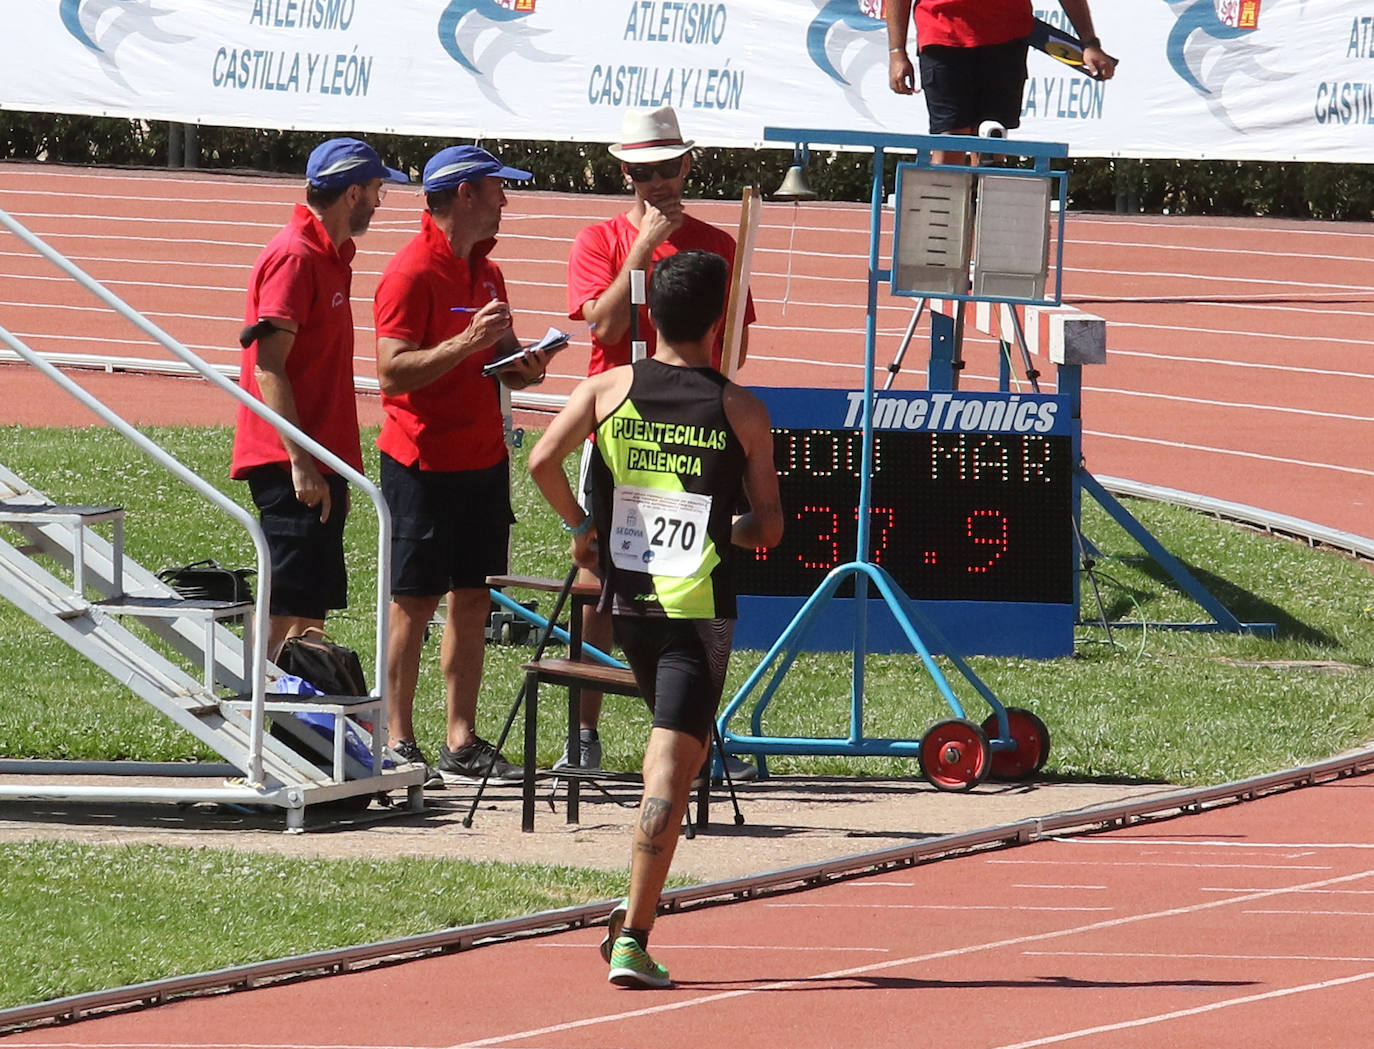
[655,160]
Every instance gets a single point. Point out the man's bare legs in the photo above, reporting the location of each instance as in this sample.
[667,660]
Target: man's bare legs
[671,760]
[279,628]
[461,656]
[410,616]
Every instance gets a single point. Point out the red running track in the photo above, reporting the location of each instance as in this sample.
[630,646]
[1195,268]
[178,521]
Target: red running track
[1238,367]
[1249,925]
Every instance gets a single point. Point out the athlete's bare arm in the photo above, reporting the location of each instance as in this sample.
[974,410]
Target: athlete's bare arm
[762,525]
[590,402]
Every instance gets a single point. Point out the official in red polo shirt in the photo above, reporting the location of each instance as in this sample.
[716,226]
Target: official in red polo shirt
[298,359]
[972,55]
[442,314]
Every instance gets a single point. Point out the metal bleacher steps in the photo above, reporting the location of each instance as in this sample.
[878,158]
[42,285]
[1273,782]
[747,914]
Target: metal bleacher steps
[58,567]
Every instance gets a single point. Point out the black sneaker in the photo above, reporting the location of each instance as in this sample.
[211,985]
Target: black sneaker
[589,752]
[409,751]
[472,761]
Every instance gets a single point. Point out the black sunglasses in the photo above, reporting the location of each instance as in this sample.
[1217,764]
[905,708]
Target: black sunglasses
[664,169]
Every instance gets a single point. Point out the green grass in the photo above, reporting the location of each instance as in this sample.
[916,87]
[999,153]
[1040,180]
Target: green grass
[82,917]
[1180,707]
[1159,705]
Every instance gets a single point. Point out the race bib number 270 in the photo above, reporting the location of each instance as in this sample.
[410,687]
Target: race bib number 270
[663,533]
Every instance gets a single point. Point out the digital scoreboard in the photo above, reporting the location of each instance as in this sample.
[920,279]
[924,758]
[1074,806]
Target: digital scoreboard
[971,513]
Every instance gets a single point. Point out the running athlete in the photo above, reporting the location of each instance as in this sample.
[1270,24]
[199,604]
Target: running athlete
[676,445]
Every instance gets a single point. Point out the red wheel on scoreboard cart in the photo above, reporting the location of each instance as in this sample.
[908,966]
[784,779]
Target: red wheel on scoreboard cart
[955,755]
[1032,741]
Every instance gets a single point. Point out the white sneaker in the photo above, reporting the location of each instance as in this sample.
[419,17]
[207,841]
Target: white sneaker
[590,756]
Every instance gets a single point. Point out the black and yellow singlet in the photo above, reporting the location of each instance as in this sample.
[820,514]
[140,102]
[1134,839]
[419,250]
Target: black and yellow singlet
[666,479]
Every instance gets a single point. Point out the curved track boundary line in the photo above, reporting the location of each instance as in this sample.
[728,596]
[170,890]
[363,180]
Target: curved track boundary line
[790,879]
[1265,520]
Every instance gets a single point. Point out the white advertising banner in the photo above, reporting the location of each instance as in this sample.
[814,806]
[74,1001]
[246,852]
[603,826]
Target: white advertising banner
[1213,79]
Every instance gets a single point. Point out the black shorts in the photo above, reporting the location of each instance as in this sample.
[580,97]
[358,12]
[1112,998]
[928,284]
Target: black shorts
[966,85]
[308,574]
[449,529]
[679,666]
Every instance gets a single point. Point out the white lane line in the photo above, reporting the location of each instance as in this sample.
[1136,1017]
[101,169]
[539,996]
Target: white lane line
[1328,914]
[1179,228]
[1156,863]
[1185,446]
[733,947]
[930,907]
[1301,892]
[1197,280]
[1051,885]
[1172,398]
[896,963]
[1190,329]
[1170,955]
[1178,1014]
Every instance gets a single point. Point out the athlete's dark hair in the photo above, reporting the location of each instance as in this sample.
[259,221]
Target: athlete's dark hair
[687,294]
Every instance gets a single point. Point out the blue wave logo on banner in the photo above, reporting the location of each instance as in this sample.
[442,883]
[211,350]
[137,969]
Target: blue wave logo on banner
[464,22]
[86,21]
[1204,52]
[457,12]
[838,44]
[820,35]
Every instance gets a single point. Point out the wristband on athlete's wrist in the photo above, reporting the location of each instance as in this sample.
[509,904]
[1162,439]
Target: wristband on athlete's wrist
[897,50]
[580,529]
[1091,41]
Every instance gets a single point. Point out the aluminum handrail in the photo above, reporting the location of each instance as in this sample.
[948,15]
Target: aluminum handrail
[180,470]
[283,427]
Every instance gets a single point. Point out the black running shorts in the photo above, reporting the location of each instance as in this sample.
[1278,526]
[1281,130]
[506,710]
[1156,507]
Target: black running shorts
[966,85]
[449,529]
[308,574]
[679,666]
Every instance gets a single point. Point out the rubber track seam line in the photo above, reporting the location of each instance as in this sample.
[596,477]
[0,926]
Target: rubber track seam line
[864,970]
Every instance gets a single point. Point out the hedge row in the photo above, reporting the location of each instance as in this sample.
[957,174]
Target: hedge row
[1298,190]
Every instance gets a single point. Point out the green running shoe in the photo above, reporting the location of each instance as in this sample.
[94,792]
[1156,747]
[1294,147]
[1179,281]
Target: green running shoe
[614,924]
[631,966]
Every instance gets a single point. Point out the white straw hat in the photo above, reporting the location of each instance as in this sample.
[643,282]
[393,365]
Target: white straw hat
[648,136]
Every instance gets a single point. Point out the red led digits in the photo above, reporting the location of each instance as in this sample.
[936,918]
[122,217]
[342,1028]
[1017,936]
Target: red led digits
[996,537]
[823,539]
[881,520]
[962,515]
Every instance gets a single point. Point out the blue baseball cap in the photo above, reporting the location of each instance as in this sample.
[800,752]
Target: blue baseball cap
[458,164]
[342,162]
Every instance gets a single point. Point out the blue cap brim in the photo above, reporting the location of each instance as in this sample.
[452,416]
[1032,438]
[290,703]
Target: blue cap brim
[392,175]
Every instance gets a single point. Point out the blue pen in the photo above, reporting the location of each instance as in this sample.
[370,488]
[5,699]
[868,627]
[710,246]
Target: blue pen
[461,309]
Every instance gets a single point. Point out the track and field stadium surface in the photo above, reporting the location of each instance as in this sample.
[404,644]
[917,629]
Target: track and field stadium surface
[1238,352]
[1248,925]
[1238,368]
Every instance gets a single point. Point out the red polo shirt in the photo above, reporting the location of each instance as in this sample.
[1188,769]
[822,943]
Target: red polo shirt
[971,23]
[454,423]
[600,251]
[300,276]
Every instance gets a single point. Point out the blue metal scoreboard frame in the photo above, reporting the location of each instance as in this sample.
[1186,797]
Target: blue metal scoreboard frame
[973,512]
